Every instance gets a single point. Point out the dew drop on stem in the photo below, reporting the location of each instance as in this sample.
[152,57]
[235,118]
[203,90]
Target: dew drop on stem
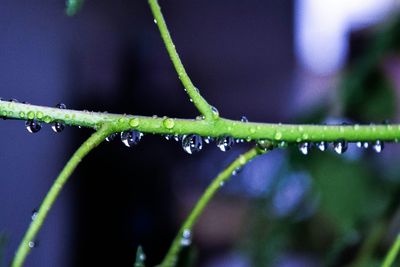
[340,146]
[33,126]
[305,148]
[244,119]
[378,146]
[111,137]
[208,139]
[131,138]
[322,146]
[57,127]
[225,143]
[61,106]
[34,214]
[192,143]
[215,112]
[186,239]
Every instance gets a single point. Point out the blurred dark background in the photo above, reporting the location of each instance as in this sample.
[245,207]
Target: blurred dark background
[272,61]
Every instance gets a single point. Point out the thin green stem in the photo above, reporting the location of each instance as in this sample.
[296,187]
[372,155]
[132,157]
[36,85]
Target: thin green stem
[200,103]
[30,235]
[391,256]
[249,131]
[171,257]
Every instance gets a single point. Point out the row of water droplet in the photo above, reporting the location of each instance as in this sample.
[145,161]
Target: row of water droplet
[339,146]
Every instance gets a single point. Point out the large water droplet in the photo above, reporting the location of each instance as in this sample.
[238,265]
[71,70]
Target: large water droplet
[186,238]
[244,119]
[33,126]
[131,138]
[225,143]
[33,244]
[340,146]
[111,137]
[57,127]
[265,145]
[322,146]
[215,112]
[305,147]
[192,143]
[378,146]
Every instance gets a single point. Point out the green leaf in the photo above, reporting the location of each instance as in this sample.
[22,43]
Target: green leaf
[73,7]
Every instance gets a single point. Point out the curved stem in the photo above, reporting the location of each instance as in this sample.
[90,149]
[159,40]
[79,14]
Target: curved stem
[171,257]
[249,131]
[25,245]
[391,256]
[200,103]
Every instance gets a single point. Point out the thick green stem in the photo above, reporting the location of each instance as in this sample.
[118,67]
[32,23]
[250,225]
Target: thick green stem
[28,240]
[391,256]
[249,131]
[200,103]
[170,259]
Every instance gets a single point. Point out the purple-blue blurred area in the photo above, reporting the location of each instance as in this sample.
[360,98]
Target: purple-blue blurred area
[272,61]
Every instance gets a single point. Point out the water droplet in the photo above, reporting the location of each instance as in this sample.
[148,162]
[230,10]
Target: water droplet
[340,146]
[58,127]
[177,138]
[222,183]
[131,138]
[47,119]
[244,119]
[33,126]
[322,146]
[282,144]
[111,137]
[305,148]
[168,137]
[278,135]
[252,130]
[192,143]
[186,238]
[208,139]
[359,144]
[61,106]
[366,145]
[169,123]
[225,143]
[13,100]
[22,114]
[378,146]
[31,115]
[265,145]
[237,170]
[33,244]
[155,21]
[191,100]
[39,115]
[134,122]
[215,112]
[34,214]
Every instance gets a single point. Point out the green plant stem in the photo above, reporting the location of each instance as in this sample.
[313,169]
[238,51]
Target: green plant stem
[249,131]
[171,257]
[391,256]
[30,235]
[201,104]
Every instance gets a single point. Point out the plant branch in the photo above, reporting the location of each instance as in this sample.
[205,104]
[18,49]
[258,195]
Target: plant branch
[171,257]
[249,131]
[391,256]
[29,238]
[200,103]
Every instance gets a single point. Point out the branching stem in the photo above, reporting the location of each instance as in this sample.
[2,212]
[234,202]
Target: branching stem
[201,104]
[28,241]
[170,259]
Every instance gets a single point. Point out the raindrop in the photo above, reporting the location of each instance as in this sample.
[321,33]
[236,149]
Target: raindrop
[58,127]
[131,138]
[208,139]
[215,112]
[244,119]
[322,146]
[225,143]
[378,146]
[169,123]
[34,214]
[186,238]
[305,148]
[61,106]
[111,137]
[340,146]
[33,126]
[192,143]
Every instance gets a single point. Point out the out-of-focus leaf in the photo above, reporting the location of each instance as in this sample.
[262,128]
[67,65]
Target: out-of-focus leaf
[73,7]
